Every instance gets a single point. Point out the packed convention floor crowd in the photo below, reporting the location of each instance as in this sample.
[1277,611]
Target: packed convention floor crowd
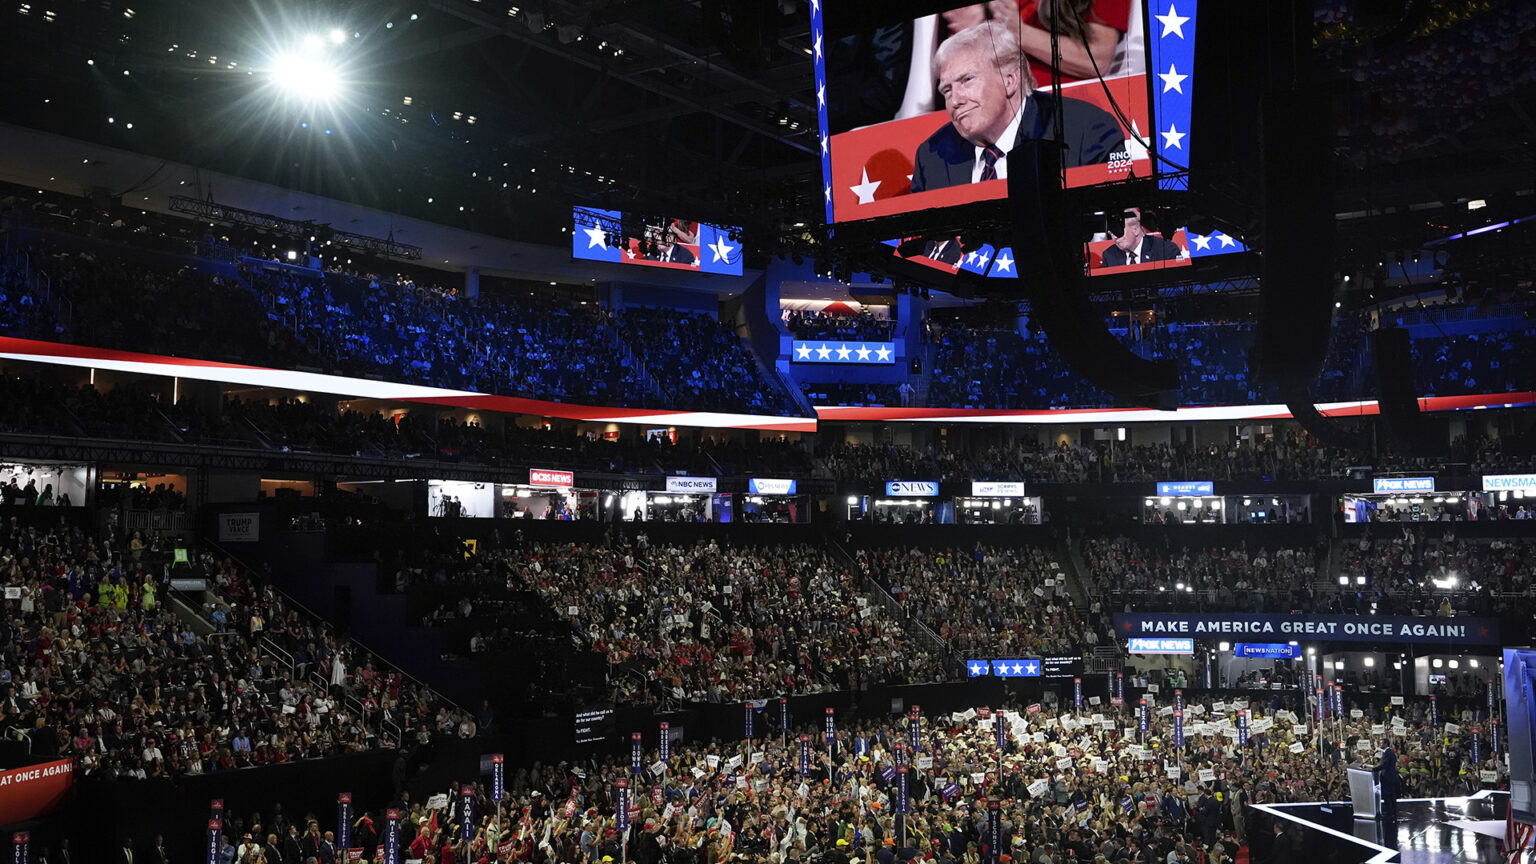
[99,666]
[718,624]
[1076,783]
[1011,602]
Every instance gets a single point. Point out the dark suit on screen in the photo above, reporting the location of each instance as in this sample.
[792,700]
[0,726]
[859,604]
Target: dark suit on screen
[1092,135]
[676,255]
[1153,248]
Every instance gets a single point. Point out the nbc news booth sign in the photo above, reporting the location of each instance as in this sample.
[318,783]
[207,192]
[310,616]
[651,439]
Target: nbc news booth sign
[691,484]
[1334,628]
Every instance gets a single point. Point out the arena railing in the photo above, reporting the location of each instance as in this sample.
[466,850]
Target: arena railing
[373,656]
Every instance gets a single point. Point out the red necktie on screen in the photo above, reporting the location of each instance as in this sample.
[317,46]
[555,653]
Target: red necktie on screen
[989,157]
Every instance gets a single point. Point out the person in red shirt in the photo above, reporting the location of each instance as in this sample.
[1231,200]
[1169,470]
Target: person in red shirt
[1090,31]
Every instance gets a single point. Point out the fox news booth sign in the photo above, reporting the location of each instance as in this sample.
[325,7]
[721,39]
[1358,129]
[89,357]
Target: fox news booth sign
[1337,628]
[1393,485]
[690,484]
[912,489]
[1147,645]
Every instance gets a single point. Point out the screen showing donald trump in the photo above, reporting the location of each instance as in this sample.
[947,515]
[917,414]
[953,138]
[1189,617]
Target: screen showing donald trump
[923,110]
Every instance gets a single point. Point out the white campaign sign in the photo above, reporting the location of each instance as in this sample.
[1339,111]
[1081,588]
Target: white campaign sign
[239,527]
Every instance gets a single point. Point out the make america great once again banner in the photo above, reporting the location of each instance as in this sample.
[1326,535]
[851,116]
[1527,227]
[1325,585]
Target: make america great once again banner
[1340,628]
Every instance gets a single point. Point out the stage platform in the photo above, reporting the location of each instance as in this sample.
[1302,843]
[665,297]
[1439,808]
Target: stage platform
[1428,831]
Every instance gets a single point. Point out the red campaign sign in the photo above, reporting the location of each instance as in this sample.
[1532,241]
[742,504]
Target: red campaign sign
[1116,701]
[1033,709]
[570,808]
[33,791]
[656,796]
[504,850]
[984,712]
[355,854]
[878,159]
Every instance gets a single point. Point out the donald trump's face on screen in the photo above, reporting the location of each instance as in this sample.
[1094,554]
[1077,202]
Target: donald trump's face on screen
[980,96]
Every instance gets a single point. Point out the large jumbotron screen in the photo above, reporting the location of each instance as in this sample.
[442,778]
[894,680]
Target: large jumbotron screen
[919,104]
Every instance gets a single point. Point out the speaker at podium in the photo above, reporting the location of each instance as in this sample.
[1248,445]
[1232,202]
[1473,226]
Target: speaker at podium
[1365,791]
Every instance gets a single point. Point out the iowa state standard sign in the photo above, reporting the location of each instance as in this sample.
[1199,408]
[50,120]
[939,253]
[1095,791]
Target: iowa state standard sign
[1338,628]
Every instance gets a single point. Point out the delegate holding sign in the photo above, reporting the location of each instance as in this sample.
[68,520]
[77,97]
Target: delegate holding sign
[1339,628]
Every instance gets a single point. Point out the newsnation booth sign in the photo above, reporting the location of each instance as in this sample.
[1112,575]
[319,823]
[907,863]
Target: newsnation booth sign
[1336,628]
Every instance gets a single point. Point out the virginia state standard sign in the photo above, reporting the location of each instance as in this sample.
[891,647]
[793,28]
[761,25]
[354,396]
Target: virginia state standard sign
[1337,628]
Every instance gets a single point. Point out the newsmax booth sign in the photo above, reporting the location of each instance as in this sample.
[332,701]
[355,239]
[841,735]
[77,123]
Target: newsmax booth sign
[1336,628]
[1393,485]
[912,489]
[1509,482]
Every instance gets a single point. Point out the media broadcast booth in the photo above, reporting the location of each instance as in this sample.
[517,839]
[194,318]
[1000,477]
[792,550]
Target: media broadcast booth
[1190,502]
[997,502]
[773,499]
[1409,499]
[548,494]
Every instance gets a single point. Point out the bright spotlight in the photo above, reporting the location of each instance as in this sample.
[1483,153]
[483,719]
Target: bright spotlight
[313,44]
[308,78]
[337,36]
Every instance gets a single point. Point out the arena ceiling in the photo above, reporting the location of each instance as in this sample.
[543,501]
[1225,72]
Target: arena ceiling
[497,115]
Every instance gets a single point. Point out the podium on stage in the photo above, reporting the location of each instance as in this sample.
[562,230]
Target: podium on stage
[1365,792]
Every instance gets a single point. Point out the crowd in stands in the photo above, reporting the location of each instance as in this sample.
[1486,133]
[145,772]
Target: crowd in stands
[141,411]
[700,363]
[987,601]
[1474,363]
[1213,359]
[979,367]
[96,299]
[1429,570]
[1075,784]
[836,393]
[98,665]
[718,623]
[1483,45]
[861,326]
[524,346]
[999,368]
[1287,455]
[1131,576]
